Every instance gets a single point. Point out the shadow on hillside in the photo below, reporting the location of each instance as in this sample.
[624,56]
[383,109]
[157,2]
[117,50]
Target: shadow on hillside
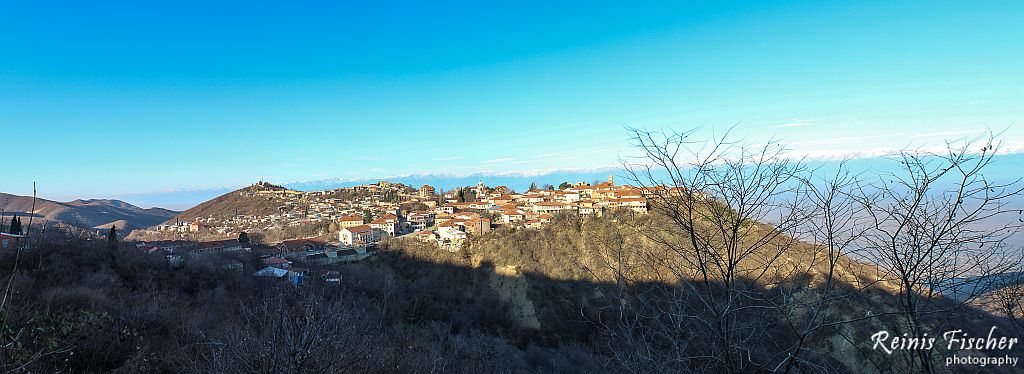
[534,309]
[400,302]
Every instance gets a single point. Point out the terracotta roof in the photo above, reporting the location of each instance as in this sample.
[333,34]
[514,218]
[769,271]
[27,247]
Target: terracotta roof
[359,229]
[630,199]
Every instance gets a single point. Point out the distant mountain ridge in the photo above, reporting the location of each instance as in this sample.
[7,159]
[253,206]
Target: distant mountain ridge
[519,180]
[185,199]
[88,214]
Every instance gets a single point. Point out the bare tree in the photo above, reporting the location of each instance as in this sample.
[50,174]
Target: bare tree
[752,243]
[17,351]
[1007,299]
[940,230]
[727,214]
[832,226]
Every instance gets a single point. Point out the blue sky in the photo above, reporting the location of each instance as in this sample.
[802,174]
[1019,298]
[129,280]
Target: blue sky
[105,99]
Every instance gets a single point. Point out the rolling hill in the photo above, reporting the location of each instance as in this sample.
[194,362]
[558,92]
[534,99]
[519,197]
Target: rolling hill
[240,201]
[92,213]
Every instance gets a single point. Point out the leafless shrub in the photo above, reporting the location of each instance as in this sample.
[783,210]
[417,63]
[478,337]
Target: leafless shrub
[310,335]
[756,252]
[939,231]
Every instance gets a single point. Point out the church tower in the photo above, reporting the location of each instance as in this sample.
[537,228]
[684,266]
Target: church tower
[611,180]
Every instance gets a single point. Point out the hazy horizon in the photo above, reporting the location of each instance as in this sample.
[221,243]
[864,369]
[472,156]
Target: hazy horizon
[1003,169]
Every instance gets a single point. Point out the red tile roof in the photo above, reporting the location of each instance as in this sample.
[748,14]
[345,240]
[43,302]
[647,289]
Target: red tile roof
[359,229]
[351,218]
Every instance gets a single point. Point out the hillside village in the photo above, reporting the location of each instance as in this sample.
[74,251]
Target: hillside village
[393,209]
[358,218]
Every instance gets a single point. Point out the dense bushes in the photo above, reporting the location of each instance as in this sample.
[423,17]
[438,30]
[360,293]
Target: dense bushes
[85,308]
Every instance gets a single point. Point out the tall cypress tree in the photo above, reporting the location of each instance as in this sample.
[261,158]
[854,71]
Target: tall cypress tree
[112,237]
[15,226]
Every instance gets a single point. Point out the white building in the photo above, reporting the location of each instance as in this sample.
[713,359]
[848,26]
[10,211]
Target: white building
[550,207]
[359,235]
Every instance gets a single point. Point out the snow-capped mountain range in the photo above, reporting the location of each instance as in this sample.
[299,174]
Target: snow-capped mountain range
[517,180]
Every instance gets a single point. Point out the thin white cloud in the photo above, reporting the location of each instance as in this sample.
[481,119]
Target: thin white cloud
[497,160]
[450,158]
[552,154]
[947,133]
[796,123]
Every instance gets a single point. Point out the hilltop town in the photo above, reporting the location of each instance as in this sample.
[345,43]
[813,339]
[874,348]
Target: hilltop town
[366,214]
[284,226]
